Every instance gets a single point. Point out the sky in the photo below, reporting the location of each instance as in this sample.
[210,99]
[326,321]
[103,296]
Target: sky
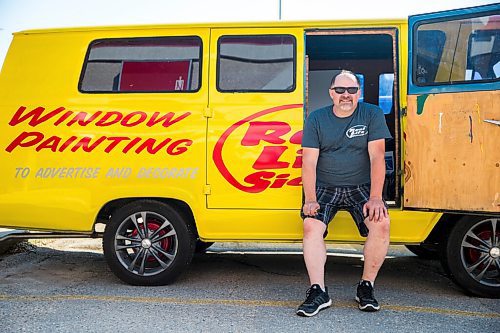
[17,15]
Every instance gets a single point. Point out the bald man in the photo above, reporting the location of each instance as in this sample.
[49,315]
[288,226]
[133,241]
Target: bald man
[343,167]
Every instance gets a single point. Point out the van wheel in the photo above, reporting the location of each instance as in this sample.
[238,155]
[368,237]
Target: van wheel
[471,255]
[424,251]
[148,243]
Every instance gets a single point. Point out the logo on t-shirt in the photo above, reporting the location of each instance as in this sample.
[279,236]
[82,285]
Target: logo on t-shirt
[357,130]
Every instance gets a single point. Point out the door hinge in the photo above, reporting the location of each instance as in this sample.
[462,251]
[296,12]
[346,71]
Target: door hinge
[404,111]
[208,112]
[207,189]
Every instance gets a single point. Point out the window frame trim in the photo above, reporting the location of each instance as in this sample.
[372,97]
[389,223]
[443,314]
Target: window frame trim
[294,60]
[95,41]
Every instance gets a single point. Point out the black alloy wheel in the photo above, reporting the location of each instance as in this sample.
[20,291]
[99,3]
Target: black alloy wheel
[148,243]
[472,255]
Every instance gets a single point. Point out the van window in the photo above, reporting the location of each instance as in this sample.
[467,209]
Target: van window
[458,51]
[256,63]
[163,64]
[430,44]
[385,90]
[361,78]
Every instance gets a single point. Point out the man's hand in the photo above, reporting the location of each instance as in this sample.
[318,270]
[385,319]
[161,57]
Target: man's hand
[375,209]
[310,208]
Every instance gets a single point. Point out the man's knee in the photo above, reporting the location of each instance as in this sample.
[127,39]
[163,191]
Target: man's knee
[313,228]
[382,227]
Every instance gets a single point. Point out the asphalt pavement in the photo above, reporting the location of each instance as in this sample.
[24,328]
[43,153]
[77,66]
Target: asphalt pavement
[66,286]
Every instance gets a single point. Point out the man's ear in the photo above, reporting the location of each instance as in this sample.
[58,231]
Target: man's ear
[330,92]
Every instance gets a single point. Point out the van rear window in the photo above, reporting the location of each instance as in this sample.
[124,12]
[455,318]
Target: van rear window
[163,64]
[256,63]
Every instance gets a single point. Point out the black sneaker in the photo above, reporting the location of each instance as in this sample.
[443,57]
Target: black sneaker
[316,300]
[364,297]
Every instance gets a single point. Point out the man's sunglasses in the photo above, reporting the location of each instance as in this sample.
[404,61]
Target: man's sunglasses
[341,90]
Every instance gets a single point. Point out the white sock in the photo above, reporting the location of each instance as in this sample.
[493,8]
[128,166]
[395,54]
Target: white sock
[372,282]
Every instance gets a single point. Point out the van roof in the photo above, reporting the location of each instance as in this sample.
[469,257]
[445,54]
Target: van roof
[270,24]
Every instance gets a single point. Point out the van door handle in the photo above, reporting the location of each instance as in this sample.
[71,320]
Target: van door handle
[494,122]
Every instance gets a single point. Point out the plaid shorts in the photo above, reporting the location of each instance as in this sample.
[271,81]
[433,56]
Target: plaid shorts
[350,198]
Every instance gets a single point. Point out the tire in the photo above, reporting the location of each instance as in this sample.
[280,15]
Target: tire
[471,255]
[424,251]
[154,258]
[202,247]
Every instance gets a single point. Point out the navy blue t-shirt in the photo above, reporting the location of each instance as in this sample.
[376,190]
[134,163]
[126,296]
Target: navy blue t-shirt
[343,143]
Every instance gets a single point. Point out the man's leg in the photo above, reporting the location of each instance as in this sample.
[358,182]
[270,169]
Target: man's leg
[376,246]
[315,251]
[315,259]
[375,250]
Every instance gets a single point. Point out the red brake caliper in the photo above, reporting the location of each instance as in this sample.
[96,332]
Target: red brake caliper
[154,225]
[474,254]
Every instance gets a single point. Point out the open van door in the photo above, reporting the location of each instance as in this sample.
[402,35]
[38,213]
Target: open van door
[452,133]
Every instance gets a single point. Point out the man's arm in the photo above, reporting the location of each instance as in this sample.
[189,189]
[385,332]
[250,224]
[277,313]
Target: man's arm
[309,162]
[375,207]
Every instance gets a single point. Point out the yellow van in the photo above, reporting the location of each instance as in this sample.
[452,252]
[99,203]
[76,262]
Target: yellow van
[176,136]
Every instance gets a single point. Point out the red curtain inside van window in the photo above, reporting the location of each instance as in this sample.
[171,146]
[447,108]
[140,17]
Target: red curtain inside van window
[155,75]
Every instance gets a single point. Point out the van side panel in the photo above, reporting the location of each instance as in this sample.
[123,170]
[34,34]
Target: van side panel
[278,225]
[65,154]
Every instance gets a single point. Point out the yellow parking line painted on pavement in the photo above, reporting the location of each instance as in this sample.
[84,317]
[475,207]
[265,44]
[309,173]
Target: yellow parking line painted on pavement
[234,302]
[405,308]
